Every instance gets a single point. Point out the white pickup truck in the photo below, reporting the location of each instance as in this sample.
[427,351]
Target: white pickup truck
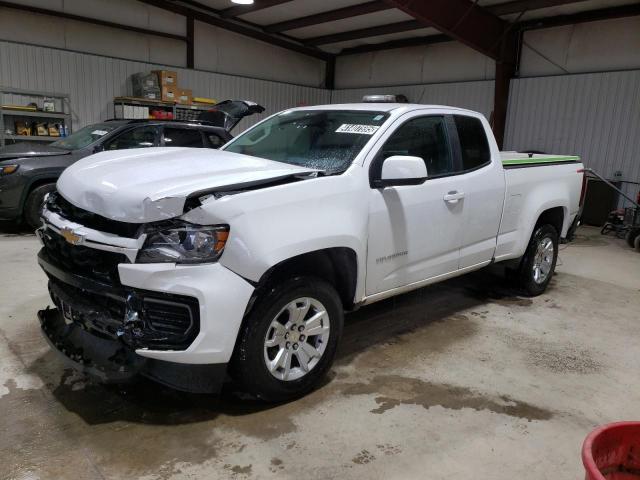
[189,266]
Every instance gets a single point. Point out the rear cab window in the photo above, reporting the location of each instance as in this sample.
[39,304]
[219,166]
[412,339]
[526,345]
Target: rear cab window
[474,147]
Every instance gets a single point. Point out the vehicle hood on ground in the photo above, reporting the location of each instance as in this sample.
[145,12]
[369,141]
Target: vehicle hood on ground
[152,184]
[30,149]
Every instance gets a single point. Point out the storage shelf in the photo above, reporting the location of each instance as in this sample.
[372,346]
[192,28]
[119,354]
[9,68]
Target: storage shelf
[144,102]
[10,112]
[9,116]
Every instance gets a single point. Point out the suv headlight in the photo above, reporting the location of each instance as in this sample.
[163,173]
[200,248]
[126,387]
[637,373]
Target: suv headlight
[8,169]
[184,243]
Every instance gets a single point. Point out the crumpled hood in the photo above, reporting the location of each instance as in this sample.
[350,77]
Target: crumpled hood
[151,184]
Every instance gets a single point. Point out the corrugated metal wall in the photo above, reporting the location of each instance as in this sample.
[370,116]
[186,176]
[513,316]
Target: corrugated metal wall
[93,81]
[476,96]
[596,116]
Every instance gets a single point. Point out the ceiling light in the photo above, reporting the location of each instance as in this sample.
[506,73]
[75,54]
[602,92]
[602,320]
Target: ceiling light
[242,2]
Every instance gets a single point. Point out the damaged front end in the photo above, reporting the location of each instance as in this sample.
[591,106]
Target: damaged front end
[98,324]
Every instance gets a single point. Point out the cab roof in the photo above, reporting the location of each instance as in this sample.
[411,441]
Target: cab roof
[381,107]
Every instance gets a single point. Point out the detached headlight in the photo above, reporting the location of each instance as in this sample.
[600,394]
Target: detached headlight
[184,244]
[7,169]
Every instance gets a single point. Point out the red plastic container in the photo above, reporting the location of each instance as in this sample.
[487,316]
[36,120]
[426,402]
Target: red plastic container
[612,452]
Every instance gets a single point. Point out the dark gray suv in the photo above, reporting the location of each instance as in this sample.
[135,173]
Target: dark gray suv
[29,171]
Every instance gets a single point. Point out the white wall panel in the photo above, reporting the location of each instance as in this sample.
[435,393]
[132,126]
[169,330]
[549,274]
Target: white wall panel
[223,51]
[587,47]
[216,50]
[442,62]
[93,81]
[31,28]
[477,96]
[596,116]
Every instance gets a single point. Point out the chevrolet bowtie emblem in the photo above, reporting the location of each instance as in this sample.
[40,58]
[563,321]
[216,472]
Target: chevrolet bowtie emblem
[70,236]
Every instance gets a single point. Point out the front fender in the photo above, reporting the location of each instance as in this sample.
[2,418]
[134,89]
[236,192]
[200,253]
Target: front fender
[271,225]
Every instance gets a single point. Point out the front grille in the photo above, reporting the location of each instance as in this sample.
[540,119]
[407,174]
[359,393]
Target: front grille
[169,322]
[88,262]
[57,204]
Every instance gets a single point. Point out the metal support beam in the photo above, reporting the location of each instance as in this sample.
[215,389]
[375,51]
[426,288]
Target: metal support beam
[463,20]
[190,42]
[243,28]
[402,43]
[330,16]
[330,74]
[583,17]
[517,6]
[506,67]
[254,7]
[365,32]
[93,21]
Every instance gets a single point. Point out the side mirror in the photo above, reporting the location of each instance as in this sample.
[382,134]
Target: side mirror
[400,170]
[98,148]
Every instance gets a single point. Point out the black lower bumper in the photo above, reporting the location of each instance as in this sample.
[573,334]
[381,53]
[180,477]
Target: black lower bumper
[111,361]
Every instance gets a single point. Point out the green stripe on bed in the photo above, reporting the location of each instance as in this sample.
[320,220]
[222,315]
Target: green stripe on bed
[534,161]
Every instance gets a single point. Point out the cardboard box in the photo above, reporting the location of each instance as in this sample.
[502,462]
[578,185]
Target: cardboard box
[23,128]
[167,78]
[169,94]
[184,97]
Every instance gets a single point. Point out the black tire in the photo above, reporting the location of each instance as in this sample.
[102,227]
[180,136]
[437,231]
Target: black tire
[33,204]
[526,275]
[636,244]
[631,236]
[248,365]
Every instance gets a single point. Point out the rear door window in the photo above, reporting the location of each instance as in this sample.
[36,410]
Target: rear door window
[182,137]
[474,147]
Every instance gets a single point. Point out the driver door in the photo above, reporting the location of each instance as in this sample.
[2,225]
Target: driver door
[415,230]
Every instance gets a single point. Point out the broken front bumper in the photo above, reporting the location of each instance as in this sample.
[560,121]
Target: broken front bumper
[110,361]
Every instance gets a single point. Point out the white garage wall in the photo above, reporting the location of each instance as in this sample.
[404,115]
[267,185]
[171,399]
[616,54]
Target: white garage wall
[216,50]
[25,27]
[596,116]
[219,50]
[476,96]
[93,81]
[587,47]
[437,63]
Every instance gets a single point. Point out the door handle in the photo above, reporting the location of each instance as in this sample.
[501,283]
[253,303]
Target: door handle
[453,197]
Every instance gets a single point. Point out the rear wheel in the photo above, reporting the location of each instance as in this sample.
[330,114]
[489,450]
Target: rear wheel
[631,236]
[637,243]
[539,261]
[288,340]
[34,202]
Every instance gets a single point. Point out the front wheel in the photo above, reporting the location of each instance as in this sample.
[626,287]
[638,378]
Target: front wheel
[539,261]
[34,202]
[288,340]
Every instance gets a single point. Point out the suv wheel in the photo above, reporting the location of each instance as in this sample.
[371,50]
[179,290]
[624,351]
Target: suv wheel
[288,340]
[34,202]
[539,261]
[631,236]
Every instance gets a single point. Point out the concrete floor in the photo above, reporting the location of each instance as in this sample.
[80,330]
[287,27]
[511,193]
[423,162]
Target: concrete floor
[458,380]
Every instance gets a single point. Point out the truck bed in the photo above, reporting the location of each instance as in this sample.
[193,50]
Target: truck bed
[520,160]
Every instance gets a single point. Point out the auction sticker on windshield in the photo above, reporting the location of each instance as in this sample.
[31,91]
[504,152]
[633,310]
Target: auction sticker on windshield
[360,129]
